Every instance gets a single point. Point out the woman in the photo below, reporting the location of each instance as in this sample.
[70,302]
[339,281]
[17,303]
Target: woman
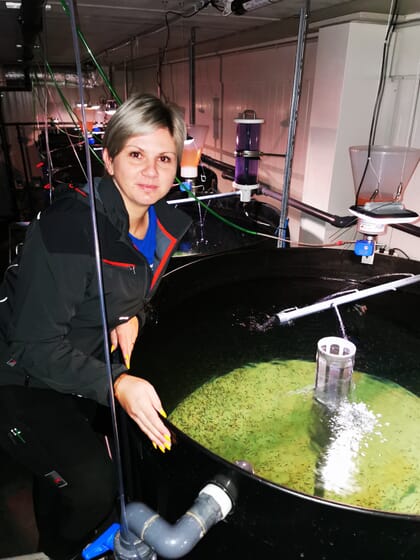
[53,370]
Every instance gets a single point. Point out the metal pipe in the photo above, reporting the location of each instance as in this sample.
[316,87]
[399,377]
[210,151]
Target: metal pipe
[64,77]
[192,76]
[297,84]
[295,313]
[336,221]
[204,197]
[98,268]
[411,229]
[23,155]
[5,146]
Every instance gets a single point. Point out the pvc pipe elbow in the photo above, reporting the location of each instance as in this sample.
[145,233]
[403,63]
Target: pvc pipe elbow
[173,541]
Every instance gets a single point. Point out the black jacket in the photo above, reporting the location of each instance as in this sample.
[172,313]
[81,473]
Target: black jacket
[51,332]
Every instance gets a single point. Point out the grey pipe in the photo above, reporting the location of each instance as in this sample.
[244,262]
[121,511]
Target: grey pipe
[336,221]
[173,541]
[192,75]
[204,197]
[63,78]
[288,315]
[294,107]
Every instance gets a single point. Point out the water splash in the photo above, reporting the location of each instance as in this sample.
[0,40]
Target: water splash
[265,326]
[349,429]
[260,323]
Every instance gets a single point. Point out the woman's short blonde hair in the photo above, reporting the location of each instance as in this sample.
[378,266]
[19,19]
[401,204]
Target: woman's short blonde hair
[142,114]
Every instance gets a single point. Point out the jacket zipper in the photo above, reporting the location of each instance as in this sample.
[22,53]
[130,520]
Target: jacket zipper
[129,266]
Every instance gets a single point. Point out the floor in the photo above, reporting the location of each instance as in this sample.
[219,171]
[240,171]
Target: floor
[18,534]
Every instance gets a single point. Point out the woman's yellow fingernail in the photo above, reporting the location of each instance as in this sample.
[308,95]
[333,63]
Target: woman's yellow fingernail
[162,448]
[168,446]
[167,436]
[127,361]
[163,413]
[154,444]
[112,348]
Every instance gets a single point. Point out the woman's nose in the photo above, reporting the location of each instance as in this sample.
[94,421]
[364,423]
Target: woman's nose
[150,168]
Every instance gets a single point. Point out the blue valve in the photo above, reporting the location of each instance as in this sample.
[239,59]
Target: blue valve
[102,544]
[364,248]
[186,185]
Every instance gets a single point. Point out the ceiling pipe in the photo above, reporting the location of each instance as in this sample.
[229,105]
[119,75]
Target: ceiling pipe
[192,75]
[14,76]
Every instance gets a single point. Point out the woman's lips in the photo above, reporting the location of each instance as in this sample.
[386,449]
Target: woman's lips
[148,187]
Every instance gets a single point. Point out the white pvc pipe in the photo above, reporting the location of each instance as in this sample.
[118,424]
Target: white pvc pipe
[294,313]
[204,197]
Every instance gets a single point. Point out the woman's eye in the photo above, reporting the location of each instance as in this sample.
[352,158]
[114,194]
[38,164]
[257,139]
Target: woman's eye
[165,159]
[135,155]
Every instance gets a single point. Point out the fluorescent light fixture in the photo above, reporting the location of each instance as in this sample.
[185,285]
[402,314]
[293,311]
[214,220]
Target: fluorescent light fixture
[17,5]
[13,5]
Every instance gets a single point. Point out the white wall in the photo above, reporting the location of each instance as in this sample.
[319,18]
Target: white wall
[346,78]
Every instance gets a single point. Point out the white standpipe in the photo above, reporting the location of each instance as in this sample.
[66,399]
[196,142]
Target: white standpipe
[294,313]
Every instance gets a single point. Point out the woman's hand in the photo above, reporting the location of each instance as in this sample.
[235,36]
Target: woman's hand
[125,336]
[141,402]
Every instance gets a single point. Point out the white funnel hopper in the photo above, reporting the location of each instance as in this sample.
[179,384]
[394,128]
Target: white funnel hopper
[385,175]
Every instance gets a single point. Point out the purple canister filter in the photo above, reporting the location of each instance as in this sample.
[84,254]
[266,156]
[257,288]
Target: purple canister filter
[247,151]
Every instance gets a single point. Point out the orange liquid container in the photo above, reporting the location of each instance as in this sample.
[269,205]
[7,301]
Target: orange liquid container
[90,114]
[193,146]
[190,160]
[362,200]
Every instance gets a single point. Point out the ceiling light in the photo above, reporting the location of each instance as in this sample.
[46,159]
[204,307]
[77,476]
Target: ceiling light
[17,6]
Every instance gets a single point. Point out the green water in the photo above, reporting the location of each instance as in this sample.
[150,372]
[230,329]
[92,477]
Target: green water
[364,453]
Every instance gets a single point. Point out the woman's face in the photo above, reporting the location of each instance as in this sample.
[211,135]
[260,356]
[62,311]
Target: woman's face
[144,169]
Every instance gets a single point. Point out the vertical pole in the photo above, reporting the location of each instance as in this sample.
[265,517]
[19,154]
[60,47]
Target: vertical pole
[98,263]
[5,146]
[125,80]
[22,154]
[192,76]
[159,73]
[297,84]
